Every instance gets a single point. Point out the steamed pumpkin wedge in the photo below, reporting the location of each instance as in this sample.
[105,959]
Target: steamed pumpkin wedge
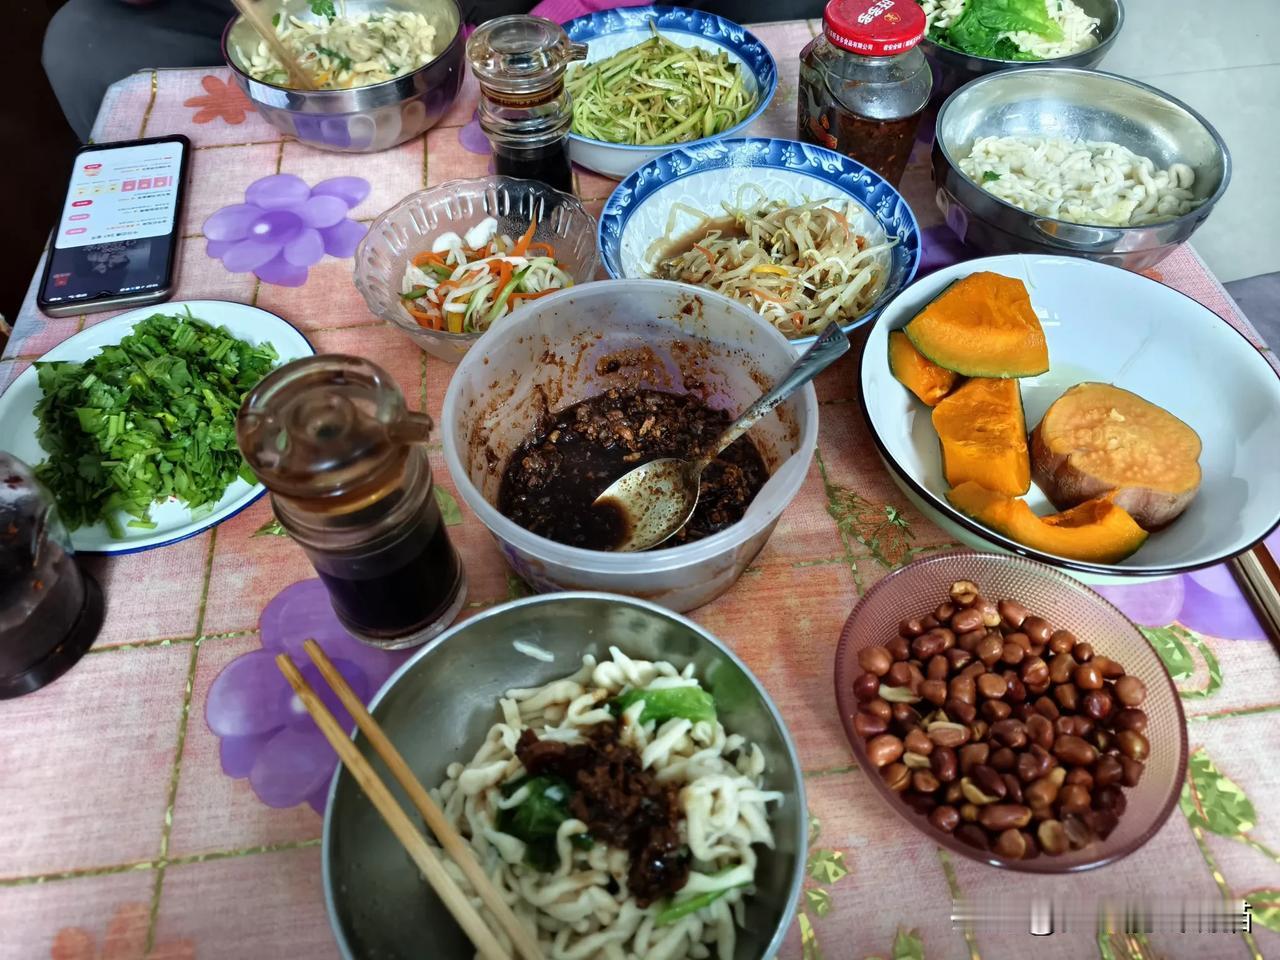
[982,326]
[1099,439]
[984,436]
[1096,531]
[913,370]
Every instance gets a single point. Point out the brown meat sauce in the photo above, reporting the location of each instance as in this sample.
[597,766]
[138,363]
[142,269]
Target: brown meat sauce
[555,475]
[621,803]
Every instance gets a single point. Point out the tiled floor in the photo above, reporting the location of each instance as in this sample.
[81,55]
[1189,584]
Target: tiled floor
[1224,61]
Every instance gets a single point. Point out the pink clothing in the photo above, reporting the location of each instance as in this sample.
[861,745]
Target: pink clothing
[561,11]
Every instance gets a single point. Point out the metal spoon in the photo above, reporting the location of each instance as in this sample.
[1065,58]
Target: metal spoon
[657,498]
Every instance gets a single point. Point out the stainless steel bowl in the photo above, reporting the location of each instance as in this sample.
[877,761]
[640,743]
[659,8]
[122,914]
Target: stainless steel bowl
[1092,105]
[437,708]
[361,119]
[952,69]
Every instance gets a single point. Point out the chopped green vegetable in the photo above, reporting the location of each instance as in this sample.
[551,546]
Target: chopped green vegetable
[146,420]
[989,175]
[323,8]
[658,92]
[537,819]
[275,19]
[690,703]
[981,27]
[700,891]
[344,62]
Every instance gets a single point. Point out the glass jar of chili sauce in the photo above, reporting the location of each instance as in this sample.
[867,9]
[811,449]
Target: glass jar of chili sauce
[864,83]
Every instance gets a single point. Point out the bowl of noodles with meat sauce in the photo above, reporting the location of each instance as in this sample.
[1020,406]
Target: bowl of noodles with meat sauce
[802,235]
[621,775]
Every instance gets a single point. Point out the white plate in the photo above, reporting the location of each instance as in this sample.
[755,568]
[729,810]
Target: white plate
[173,520]
[1106,324]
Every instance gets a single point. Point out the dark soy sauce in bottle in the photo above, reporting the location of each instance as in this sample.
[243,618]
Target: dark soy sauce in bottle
[525,110]
[347,468]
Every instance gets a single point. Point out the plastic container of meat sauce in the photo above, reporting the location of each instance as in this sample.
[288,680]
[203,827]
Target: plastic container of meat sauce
[864,83]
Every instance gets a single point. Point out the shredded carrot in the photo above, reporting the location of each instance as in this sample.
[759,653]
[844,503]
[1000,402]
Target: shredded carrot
[522,245]
[428,257]
[797,320]
[505,271]
[425,318]
[533,296]
[711,257]
[547,249]
[844,223]
[766,296]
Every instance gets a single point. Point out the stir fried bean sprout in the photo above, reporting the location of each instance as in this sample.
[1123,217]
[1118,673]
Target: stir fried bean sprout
[800,266]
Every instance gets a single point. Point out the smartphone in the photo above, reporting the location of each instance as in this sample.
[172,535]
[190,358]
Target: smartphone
[116,244]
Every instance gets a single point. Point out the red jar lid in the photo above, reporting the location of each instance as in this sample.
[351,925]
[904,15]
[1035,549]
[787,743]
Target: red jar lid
[874,28]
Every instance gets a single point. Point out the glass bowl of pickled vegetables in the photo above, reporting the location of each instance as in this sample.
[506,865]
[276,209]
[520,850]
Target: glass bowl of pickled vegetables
[446,264]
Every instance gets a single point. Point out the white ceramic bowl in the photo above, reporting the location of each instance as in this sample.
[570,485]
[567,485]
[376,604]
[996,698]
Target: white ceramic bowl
[1109,325]
[548,356]
[612,31]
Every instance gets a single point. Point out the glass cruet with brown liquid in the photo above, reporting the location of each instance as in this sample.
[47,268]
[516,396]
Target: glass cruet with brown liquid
[346,463]
[525,110]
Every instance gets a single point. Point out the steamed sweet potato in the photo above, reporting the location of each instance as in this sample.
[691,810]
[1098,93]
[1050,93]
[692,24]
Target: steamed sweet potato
[1098,439]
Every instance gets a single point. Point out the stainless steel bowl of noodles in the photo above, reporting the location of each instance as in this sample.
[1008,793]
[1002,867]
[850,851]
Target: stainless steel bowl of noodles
[579,669]
[385,70]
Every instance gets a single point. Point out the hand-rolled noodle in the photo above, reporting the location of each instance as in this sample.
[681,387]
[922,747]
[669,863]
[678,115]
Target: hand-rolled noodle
[580,904]
[1093,182]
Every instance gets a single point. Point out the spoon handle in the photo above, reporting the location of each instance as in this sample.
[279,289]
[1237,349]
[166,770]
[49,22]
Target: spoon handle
[830,346]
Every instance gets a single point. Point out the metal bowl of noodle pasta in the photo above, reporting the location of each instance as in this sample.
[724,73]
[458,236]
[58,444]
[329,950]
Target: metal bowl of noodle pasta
[441,710]
[364,118]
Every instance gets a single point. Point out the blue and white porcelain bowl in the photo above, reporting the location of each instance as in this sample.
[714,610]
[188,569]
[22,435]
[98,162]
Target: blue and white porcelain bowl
[705,175]
[612,31]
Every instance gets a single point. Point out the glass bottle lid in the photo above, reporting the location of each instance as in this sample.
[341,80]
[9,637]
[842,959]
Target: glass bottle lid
[328,426]
[520,55]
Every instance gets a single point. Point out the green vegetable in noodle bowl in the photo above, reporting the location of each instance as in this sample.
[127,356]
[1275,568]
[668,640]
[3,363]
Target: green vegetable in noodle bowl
[537,817]
[658,92]
[150,419]
[1021,30]
[690,703]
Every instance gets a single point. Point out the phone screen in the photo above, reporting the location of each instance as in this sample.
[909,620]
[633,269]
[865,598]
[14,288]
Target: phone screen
[117,236]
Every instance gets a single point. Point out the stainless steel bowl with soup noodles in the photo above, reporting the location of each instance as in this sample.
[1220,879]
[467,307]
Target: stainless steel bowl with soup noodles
[386,71]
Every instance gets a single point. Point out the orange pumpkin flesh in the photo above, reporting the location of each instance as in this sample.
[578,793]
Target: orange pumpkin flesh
[921,376]
[982,326]
[1099,439]
[1096,531]
[984,436]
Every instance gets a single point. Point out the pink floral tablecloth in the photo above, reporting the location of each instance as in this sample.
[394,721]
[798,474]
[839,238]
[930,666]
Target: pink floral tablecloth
[130,829]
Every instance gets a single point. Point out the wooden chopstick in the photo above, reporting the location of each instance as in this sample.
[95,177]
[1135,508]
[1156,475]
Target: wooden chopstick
[452,841]
[410,838]
[257,19]
[1258,575]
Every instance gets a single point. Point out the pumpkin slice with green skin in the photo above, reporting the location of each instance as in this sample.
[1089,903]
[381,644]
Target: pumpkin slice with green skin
[984,436]
[983,325]
[917,373]
[1096,531]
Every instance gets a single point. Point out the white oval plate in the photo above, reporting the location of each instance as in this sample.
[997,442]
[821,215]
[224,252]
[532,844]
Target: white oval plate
[173,520]
[1109,325]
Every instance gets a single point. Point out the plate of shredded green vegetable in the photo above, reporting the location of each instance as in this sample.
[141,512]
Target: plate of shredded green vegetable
[659,77]
[131,423]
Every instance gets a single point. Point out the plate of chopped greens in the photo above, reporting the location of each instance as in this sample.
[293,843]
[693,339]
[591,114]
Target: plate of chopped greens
[131,423]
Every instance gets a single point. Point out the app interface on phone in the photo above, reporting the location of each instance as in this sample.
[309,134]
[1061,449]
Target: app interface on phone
[115,234]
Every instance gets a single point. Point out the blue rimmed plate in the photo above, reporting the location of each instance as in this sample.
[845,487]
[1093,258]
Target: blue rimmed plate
[704,175]
[611,31]
[174,521]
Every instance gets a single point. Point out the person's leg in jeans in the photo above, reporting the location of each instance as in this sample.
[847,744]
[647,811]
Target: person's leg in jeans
[90,44]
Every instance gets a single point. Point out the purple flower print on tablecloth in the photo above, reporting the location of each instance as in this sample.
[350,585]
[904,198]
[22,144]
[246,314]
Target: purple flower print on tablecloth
[1207,601]
[284,226]
[266,733]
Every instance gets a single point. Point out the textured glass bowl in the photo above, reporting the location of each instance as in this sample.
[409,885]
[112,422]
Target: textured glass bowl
[1067,604]
[456,206]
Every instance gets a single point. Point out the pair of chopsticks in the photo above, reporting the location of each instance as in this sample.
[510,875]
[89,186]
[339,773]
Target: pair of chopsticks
[252,12]
[414,843]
